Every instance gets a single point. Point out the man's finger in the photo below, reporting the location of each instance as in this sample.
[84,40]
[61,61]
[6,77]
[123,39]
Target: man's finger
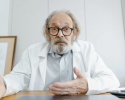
[59,93]
[69,90]
[68,84]
[50,86]
[59,89]
[64,93]
[78,73]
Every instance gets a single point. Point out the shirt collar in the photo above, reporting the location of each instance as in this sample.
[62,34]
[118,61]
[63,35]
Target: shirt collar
[53,54]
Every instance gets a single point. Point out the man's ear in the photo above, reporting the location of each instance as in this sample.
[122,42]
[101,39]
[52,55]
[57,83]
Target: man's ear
[75,34]
[46,31]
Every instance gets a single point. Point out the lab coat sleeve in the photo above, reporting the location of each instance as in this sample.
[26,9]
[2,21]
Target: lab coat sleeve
[18,79]
[101,78]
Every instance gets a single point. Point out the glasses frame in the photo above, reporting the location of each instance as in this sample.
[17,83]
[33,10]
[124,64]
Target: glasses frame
[61,30]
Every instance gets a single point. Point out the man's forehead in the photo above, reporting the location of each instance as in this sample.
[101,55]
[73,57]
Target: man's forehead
[61,18]
[57,23]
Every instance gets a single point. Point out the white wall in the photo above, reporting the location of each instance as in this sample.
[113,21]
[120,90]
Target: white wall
[104,27]
[27,21]
[4,17]
[123,12]
[101,23]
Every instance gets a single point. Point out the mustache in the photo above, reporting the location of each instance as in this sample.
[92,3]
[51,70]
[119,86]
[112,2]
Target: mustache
[60,40]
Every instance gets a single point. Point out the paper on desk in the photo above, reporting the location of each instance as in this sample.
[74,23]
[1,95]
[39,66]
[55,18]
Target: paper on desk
[3,53]
[121,88]
[118,89]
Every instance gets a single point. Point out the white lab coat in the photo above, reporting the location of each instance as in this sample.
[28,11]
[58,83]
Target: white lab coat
[24,75]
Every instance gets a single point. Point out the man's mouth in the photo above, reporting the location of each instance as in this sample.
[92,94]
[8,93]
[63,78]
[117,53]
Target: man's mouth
[60,43]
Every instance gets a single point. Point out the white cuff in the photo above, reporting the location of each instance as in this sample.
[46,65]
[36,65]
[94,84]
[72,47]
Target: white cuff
[96,86]
[91,87]
[5,86]
[9,90]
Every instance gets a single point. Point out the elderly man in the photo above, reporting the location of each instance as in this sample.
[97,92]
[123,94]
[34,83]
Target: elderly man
[63,65]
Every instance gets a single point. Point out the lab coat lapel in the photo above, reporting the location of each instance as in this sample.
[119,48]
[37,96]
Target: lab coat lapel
[76,57]
[43,62]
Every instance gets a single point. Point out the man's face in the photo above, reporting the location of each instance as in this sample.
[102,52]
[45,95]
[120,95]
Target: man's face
[63,43]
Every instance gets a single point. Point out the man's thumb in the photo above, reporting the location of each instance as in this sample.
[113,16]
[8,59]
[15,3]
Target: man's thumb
[78,73]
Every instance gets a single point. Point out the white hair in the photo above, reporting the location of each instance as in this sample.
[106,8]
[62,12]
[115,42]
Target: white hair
[75,22]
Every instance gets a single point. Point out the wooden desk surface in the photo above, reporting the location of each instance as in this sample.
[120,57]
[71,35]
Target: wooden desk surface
[25,93]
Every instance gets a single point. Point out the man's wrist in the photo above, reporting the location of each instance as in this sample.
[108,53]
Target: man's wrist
[2,87]
[86,87]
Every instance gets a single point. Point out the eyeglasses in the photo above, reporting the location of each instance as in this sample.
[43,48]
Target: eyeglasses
[66,31]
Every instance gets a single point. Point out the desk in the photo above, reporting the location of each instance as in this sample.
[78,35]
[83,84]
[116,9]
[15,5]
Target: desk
[25,93]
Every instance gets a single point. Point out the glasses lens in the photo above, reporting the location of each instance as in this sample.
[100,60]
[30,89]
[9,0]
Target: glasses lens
[53,30]
[66,31]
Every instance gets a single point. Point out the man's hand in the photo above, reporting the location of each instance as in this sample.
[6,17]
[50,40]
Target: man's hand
[74,87]
[2,88]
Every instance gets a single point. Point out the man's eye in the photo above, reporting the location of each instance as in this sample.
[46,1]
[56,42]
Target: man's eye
[66,28]
[54,28]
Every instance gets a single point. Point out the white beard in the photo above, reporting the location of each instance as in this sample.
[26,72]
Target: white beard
[61,48]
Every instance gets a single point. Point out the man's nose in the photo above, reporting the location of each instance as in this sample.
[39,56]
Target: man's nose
[60,34]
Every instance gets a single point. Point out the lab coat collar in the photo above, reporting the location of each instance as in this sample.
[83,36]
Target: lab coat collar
[75,47]
[44,51]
